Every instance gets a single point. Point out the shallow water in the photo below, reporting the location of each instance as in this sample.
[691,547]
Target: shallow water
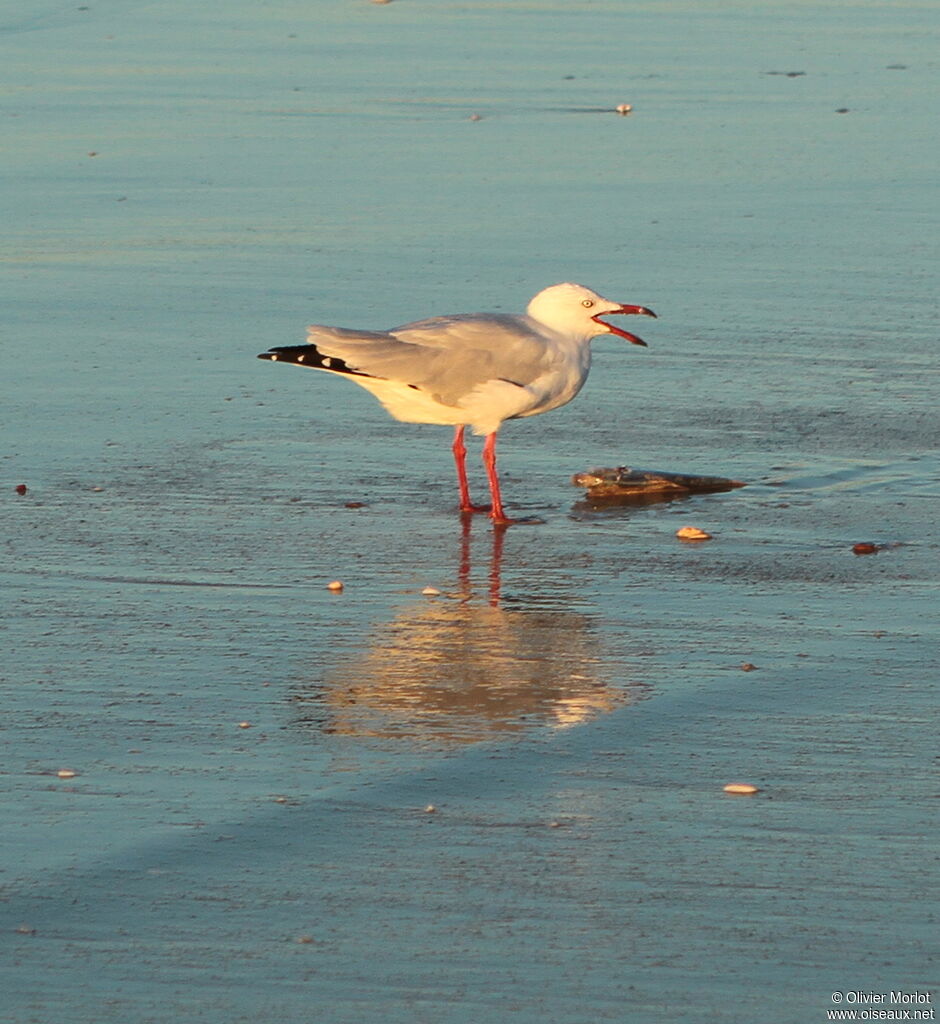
[183,189]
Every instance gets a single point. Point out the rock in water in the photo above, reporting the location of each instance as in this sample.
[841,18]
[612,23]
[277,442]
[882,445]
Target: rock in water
[625,484]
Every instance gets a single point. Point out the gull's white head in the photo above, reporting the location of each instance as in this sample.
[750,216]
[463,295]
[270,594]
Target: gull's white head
[574,310]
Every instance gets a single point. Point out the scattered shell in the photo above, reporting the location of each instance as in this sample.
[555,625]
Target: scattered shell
[307,939]
[741,789]
[431,592]
[280,799]
[355,504]
[623,108]
[476,117]
[244,725]
[97,490]
[430,809]
[865,548]
[692,533]
[748,666]
[336,585]
[554,824]
[21,489]
[66,773]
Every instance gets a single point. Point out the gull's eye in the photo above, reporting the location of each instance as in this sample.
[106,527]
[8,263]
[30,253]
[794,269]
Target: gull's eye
[587,303]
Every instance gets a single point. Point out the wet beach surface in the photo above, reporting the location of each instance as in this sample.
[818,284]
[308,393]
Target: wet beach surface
[503,800]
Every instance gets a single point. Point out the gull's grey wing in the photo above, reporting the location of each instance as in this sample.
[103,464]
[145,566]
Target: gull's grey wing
[446,356]
[485,331]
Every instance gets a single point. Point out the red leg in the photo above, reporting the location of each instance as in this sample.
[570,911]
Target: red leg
[497,514]
[460,459]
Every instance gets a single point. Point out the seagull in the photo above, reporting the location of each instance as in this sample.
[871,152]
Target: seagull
[472,369]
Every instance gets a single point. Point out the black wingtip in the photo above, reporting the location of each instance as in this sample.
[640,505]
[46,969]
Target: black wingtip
[308,355]
[300,355]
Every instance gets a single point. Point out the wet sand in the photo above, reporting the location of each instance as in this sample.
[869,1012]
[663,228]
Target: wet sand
[247,836]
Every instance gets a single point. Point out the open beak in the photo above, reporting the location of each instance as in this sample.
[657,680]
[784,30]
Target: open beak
[630,311]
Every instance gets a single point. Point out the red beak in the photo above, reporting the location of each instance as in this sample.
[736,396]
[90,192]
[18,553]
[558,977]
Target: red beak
[629,310]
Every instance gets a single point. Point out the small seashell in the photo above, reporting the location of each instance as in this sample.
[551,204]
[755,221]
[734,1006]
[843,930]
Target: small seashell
[244,725]
[430,809]
[431,592]
[475,117]
[741,789]
[692,533]
[336,585]
[623,108]
[748,666]
[66,773]
[864,548]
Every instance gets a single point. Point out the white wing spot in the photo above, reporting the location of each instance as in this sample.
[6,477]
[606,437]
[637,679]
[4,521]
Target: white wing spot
[300,359]
[327,362]
[274,358]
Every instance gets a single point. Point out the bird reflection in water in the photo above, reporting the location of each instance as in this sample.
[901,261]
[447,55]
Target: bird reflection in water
[463,667]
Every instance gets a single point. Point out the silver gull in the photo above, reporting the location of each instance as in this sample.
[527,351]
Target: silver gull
[472,369]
